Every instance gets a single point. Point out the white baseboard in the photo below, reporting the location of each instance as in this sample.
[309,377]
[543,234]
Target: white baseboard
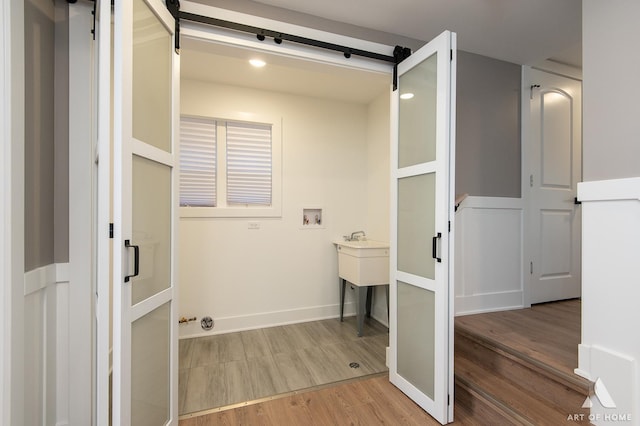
[491,302]
[618,374]
[265,319]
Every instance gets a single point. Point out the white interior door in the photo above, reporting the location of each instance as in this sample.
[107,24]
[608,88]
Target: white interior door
[556,168]
[423,123]
[145,379]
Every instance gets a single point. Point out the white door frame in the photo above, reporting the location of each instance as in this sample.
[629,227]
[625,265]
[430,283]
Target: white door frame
[5,213]
[80,350]
[102,216]
[12,215]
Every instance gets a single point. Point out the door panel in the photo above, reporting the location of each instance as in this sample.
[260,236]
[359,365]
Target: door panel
[557,144]
[417,118]
[151,69]
[152,198]
[556,168]
[416,224]
[150,368]
[421,333]
[416,338]
[145,205]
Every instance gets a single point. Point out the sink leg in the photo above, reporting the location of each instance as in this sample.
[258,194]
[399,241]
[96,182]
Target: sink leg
[362,300]
[369,299]
[342,286]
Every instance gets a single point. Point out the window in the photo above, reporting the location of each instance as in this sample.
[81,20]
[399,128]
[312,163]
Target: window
[197,162]
[229,168]
[248,164]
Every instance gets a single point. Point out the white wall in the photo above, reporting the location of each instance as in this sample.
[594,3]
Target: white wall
[378,181]
[280,273]
[610,348]
[611,149]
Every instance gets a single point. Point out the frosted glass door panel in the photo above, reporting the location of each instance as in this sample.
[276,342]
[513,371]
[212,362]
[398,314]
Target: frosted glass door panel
[417,119]
[421,323]
[416,328]
[416,224]
[150,368]
[152,55]
[151,227]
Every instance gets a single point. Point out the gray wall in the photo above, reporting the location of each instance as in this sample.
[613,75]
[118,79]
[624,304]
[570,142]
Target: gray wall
[611,66]
[46,141]
[488,160]
[61,133]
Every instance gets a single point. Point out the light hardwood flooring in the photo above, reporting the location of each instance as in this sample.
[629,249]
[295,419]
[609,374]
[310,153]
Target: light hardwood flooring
[368,402]
[226,369]
[548,333]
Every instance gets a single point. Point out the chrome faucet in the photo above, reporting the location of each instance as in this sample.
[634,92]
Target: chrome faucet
[355,236]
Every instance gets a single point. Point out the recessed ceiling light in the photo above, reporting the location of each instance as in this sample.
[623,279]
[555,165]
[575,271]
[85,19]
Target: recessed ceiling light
[258,63]
[406,96]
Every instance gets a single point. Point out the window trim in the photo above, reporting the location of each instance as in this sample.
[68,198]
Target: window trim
[249,211]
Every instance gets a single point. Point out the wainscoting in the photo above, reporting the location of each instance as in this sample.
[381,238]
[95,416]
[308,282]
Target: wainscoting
[610,348]
[46,313]
[488,255]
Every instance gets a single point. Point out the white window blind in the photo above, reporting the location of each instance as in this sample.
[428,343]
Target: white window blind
[249,174]
[197,162]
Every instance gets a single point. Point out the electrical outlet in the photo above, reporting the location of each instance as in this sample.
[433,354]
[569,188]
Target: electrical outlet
[254,225]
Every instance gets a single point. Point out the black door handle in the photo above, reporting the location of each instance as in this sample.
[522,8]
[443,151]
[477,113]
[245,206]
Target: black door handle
[136,260]
[434,247]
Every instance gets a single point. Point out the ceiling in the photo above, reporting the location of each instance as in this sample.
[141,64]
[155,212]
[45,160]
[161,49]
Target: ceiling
[204,61]
[518,31]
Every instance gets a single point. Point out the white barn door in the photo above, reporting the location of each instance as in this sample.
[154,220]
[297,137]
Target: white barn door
[423,135]
[146,71]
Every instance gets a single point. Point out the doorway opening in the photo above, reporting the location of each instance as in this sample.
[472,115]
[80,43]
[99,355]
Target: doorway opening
[263,278]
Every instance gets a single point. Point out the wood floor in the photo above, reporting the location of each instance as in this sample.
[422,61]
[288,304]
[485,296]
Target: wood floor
[367,402]
[227,369]
[547,334]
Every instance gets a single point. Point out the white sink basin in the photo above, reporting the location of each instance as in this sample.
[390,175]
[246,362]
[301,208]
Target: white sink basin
[363,263]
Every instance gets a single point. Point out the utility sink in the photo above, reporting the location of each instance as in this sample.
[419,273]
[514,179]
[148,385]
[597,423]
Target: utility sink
[364,262]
